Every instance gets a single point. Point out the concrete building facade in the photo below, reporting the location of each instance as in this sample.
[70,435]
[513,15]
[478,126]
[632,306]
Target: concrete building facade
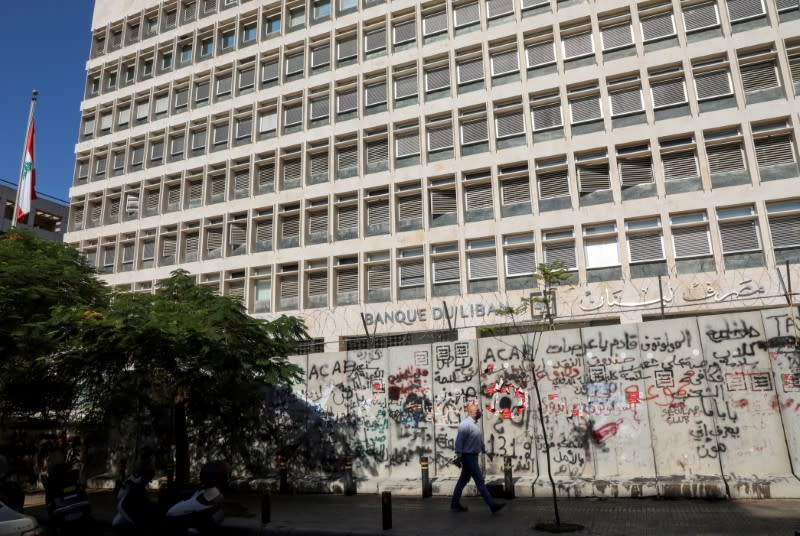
[399,168]
[48,215]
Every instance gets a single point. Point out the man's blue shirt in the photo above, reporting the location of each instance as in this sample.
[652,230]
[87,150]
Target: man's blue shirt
[469,439]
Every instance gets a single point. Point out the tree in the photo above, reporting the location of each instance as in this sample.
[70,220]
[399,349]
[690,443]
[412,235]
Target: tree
[182,354]
[36,276]
[551,275]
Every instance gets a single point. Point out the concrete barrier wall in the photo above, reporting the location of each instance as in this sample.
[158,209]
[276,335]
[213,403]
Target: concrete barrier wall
[704,406]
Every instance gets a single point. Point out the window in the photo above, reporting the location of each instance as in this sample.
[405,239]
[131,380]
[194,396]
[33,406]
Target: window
[405,87]
[321,9]
[466,14]
[297,18]
[690,236]
[375,94]
[583,109]
[292,115]
[474,131]
[739,10]
[577,45]
[294,64]
[347,48]
[347,101]
[738,228]
[249,33]
[509,124]
[434,23]
[783,224]
[272,26]
[657,27]
[411,268]
[503,63]
[440,137]
[625,101]
[618,36]
[710,85]
[541,54]
[404,32]
[320,56]
[547,115]
[519,255]
[206,48]
[375,41]
[759,76]
[445,265]
[201,91]
[725,158]
[319,108]
[645,243]
[775,150]
[407,143]
[593,177]
[199,140]
[558,247]
[228,40]
[481,260]
[221,135]
[600,245]
[679,163]
[700,16]
[436,79]
[247,78]
[635,166]
[668,92]
[498,8]
[267,122]
[469,71]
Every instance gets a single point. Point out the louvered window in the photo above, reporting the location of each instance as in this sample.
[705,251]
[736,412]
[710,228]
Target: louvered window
[436,79]
[290,227]
[759,76]
[266,177]
[562,253]
[585,109]
[547,116]
[645,247]
[220,135]
[474,132]
[263,235]
[482,265]
[378,212]
[375,94]
[505,62]
[691,242]
[714,84]
[774,151]
[347,281]
[578,45]
[375,41]
[785,231]
[434,23]
[498,8]
[191,246]
[113,210]
[377,152]
[292,115]
[658,27]
[478,197]
[745,9]
[409,208]
[289,288]
[440,138]
[515,191]
[151,201]
[541,54]
[173,197]
[217,187]
[320,108]
[294,64]
[553,184]
[511,124]
[320,56]
[347,217]
[108,259]
[407,144]
[169,247]
[593,178]
[739,236]
[201,91]
[725,158]
[677,166]
[472,71]
[347,48]
[668,92]
[786,5]
[617,36]
[794,68]
[124,115]
[223,85]
[317,284]
[699,17]
[195,193]
[378,277]
[626,101]
[95,210]
[347,158]
[319,165]
[238,237]
[443,202]
[247,78]
[634,171]
[318,223]
[347,101]
[214,242]
[467,14]
[105,119]
[270,71]
[405,32]
[405,87]
[520,261]
[267,122]
[127,255]
[241,181]
[412,274]
[446,270]
[292,170]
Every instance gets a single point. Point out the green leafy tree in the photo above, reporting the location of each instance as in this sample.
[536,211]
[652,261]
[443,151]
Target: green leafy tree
[36,276]
[183,355]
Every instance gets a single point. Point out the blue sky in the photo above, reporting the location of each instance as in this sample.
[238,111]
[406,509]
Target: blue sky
[45,46]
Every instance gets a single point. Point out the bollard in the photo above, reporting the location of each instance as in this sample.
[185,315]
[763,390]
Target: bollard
[283,487]
[427,488]
[266,508]
[349,483]
[386,509]
[508,478]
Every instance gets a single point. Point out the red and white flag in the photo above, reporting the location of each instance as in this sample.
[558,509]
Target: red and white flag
[27,180]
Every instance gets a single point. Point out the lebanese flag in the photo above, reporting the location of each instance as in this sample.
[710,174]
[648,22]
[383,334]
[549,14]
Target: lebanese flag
[27,181]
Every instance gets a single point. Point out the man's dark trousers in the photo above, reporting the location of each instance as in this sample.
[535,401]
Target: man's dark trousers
[471,469]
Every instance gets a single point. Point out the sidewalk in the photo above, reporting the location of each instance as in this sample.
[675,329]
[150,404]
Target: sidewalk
[327,515]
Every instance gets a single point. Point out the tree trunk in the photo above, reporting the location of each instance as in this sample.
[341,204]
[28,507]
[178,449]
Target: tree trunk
[181,442]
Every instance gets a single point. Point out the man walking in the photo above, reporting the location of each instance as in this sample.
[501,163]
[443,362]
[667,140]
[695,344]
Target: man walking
[469,445]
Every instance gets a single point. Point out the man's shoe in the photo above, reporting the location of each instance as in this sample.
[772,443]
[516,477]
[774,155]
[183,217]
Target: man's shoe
[497,507]
[459,508]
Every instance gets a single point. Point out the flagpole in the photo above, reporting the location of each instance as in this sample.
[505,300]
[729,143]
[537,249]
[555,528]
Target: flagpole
[34,96]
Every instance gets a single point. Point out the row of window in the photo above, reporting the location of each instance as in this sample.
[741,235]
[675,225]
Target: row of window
[576,40]
[372,278]
[594,174]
